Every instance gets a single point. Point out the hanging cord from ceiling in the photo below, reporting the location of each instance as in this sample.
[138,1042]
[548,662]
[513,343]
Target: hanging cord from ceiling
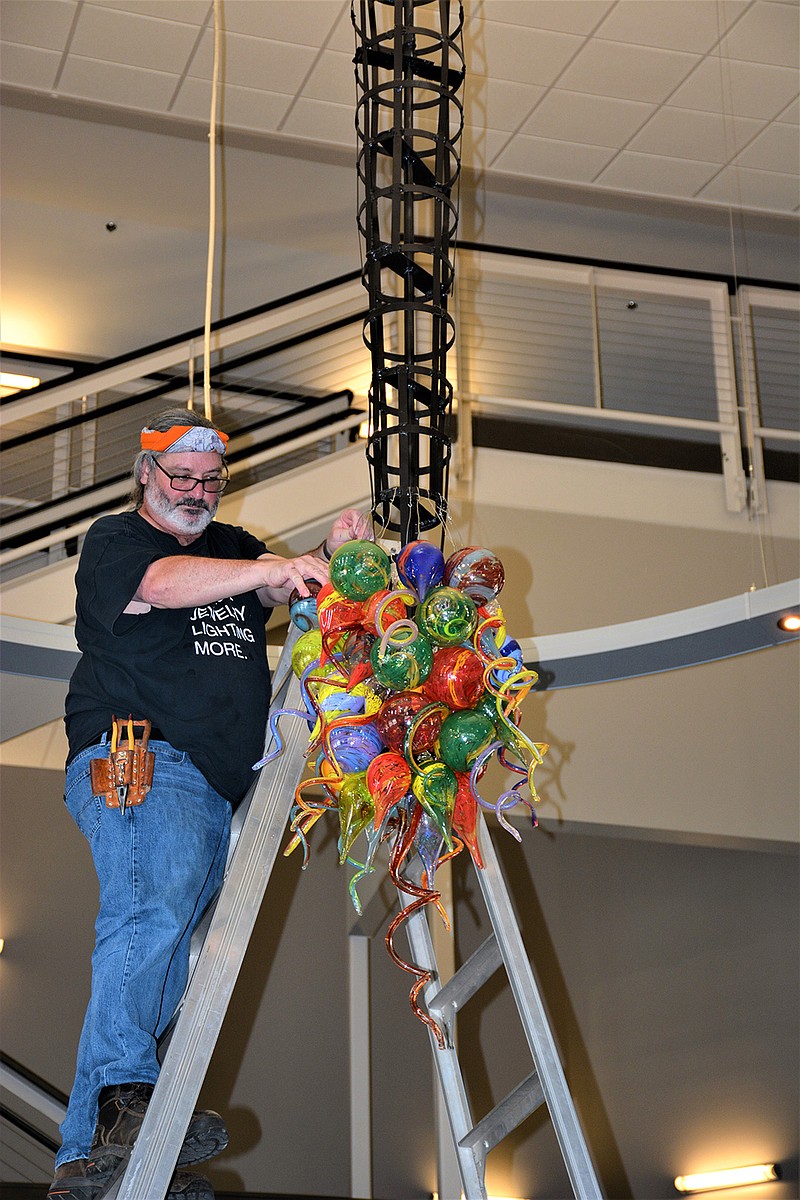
[746,402]
[212,219]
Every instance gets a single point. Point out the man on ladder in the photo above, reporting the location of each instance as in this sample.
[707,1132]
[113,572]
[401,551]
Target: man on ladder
[166,714]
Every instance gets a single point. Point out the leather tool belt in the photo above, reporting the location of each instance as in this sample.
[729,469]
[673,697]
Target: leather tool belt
[126,776]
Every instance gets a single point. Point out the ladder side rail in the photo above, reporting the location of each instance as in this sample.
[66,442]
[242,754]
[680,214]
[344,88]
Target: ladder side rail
[279,700]
[572,1143]
[471,1162]
[155,1152]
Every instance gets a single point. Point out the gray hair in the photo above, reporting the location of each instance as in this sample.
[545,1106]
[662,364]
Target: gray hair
[160,423]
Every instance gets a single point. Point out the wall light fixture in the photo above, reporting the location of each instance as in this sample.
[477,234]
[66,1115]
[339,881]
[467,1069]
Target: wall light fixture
[708,1181]
[11,383]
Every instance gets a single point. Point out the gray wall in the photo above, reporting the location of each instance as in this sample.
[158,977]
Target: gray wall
[669,970]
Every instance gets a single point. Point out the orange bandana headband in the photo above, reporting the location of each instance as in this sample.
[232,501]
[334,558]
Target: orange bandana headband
[180,438]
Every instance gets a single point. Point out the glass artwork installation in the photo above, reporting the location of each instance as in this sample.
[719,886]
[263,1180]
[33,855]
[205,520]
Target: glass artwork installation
[410,685]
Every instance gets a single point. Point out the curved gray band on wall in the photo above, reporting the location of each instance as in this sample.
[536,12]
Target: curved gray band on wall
[681,639]
[665,643]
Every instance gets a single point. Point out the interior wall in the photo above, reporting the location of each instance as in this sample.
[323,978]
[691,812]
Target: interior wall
[669,971]
[285,220]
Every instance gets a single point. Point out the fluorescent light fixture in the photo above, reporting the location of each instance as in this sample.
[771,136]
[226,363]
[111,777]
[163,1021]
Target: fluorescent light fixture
[491,1196]
[11,383]
[733,1177]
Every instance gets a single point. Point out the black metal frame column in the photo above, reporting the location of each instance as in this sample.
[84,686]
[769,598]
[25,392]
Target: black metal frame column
[409,67]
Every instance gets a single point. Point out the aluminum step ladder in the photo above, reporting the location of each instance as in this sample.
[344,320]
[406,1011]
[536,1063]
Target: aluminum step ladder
[546,1084]
[225,936]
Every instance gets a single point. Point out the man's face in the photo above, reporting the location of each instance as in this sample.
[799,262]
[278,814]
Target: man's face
[183,514]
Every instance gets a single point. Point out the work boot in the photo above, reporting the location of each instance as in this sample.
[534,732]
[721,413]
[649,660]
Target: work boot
[70,1182]
[187,1186]
[120,1113]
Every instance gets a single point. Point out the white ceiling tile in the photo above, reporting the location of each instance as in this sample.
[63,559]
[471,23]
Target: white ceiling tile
[578,16]
[767,33]
[27,66]
[114,83]
[776,149]
[343,36]
[742,188]
[136,41]
[545,159]
[629,72]
[498,103]
[526,55]
[481,146]
[320,122]
[45,23]
[332,79]
[739,88]
[240,108]
[655,175]
[301,22]
[256,63]
[694,25]
[192,12]
[684,133]
[791,114]
[577,117]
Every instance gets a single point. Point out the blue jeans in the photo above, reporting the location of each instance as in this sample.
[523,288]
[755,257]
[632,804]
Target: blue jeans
[158,864]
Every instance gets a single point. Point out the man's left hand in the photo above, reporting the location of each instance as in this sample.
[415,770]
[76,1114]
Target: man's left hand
[351,525]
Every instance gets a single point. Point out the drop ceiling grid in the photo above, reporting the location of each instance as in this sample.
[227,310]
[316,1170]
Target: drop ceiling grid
[690,99]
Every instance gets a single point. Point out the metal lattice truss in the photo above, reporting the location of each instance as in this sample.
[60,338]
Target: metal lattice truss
[409,68]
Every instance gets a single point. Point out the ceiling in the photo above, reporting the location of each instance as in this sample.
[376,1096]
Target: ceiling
[688,99]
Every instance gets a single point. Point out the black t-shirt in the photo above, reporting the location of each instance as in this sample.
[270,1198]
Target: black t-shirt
[199,674]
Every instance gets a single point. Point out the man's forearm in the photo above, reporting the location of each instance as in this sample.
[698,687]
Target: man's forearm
[180,582]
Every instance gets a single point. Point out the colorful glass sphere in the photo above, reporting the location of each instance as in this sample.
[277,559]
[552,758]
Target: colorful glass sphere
[435,786]
[337,612]
[388,780]
[334,700]
[402,666]
[307,649]
[303,609]
[447,616]
[487,704]
[475,571]
[360,568]
[456,677]
[354,745]
[356,810]
[395,717]
[355,656]
[420,566]
[382,609]
[462,737]
[465,819]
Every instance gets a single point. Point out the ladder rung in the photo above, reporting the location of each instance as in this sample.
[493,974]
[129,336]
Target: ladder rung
[507,1115]
[469,977]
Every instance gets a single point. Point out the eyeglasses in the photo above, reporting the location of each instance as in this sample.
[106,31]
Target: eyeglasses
[187,483]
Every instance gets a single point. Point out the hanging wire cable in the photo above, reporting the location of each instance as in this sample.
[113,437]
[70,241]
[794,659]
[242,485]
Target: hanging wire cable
[745,407]
[212,218]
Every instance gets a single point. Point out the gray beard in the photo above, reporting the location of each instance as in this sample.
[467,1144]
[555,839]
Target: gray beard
[185,516]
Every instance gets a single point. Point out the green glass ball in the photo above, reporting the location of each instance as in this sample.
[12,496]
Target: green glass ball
[359,569]
[448,617]
[403,668]
[463,736]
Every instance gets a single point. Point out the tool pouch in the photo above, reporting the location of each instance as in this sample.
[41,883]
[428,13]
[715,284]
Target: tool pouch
[126,776]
